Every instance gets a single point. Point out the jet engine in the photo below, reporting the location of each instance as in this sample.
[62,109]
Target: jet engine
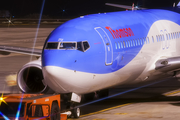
[30,78]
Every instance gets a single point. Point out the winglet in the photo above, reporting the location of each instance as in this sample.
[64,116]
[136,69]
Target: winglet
[178,4]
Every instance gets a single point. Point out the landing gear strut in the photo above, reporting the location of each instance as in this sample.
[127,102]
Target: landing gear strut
[71,101]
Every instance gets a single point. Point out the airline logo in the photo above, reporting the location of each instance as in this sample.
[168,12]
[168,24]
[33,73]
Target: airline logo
[121,33]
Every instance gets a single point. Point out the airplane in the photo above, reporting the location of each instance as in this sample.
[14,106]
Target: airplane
[96,52]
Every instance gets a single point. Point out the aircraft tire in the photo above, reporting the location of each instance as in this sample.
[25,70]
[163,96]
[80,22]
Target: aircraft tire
[55,112]
[76,112]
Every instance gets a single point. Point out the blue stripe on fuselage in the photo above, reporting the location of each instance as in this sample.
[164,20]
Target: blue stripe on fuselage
[82,29]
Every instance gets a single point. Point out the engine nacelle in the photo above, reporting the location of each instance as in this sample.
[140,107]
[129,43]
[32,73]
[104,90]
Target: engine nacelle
[30,78]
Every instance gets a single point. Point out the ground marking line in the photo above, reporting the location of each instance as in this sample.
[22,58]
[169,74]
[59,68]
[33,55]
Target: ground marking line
[106,109]
[172,93]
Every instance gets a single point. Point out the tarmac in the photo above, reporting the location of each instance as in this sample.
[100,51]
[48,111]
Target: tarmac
[156,102]
[20,37]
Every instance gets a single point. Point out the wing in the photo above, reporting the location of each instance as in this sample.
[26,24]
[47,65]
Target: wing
[123,6]
[28,51]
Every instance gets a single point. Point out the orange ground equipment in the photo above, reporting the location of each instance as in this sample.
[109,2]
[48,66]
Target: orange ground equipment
[30,107]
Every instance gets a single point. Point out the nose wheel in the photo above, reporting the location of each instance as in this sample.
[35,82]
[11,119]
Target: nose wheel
[70,105]
[76,112]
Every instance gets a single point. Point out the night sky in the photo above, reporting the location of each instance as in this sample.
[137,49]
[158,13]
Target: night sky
[73,8]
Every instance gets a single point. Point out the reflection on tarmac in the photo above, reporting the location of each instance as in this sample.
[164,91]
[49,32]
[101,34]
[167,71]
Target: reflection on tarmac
[155,102]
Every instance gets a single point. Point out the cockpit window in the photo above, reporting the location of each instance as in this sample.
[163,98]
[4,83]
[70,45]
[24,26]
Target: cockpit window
[67,45]
[52,45]
[86,45]
[81,46]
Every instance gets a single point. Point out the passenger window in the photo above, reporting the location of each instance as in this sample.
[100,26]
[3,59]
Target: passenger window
[174,34]
[152,39]
[134,44]
[141,42]
[157,38]
[138,42]
[127,44]
[115,45]
[119,45]
[124,44]
[147,40]
[166,36]
[144,42]
[162,37]
[177,34]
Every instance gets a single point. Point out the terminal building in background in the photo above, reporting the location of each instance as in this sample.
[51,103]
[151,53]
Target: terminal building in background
[5,13]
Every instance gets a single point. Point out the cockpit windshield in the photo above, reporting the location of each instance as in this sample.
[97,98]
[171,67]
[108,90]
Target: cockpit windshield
[64,45]
[52,45]
[81,46]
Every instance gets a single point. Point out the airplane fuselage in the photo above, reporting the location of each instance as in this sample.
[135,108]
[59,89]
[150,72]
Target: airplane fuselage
[100,51]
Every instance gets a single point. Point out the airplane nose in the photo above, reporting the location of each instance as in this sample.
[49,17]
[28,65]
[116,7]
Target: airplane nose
[53,79]
[63,80]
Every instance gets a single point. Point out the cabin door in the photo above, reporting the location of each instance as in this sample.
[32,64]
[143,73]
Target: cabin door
[107,44]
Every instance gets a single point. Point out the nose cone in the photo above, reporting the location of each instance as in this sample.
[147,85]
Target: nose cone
[56,74]
[64,80]
[52,79]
